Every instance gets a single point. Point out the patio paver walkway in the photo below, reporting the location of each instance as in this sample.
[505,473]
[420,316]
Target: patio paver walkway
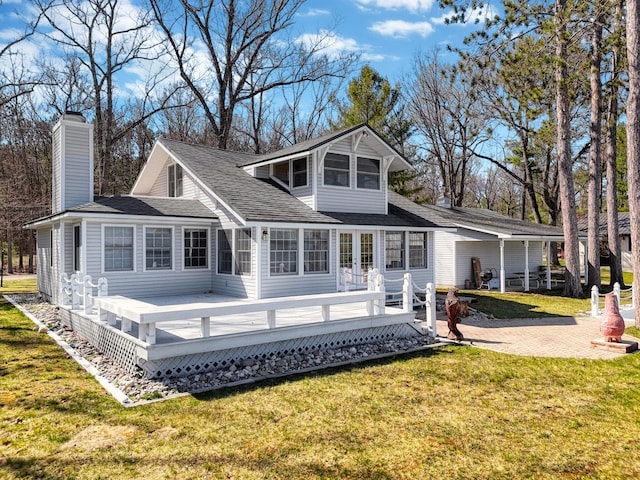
[565,337]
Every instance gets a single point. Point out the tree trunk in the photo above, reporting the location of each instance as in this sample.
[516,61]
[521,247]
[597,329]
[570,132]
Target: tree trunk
[633,142]
[613,230]
[572,286]
[595,160]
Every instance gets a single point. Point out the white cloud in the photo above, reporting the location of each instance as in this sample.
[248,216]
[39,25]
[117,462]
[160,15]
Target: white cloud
[481,14]
[329,43]
[315,12]
[402,28]
[413,6]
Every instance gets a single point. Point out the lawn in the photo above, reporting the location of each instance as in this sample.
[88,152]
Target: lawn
[454,412]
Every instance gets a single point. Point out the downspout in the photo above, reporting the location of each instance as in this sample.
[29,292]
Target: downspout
[548,264]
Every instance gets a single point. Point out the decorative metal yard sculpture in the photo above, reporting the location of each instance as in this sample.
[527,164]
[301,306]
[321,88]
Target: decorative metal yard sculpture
[454,311]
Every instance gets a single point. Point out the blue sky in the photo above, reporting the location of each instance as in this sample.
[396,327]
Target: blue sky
[388,33]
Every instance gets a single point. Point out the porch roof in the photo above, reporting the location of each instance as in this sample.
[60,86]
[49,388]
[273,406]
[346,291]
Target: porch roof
[624,224]
[493,223]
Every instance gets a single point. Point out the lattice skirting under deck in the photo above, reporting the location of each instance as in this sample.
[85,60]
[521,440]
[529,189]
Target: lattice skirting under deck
[123,347]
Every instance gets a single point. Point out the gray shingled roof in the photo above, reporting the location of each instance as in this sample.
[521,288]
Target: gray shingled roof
[257,200]
[251,198]
[152,206]
[624,224]
[492,222]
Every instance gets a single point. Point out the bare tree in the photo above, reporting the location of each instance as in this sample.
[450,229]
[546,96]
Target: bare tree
[448,118]
[229,52]
[105,41]
[633,141]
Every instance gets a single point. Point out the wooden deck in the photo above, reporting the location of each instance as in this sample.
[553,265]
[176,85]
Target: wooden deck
[197,332]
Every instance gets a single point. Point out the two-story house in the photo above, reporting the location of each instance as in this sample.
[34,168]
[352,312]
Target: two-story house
[305,219]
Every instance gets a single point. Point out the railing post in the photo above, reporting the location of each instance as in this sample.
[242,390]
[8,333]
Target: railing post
[430,309]
[344,279]
[65,282]
[407,293]
[371,279]
[594,301]
[616,291]
[75,293]
[87,290]
[103,287]
[379,305]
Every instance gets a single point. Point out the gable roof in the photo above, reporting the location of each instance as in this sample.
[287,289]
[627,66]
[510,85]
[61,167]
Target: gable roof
[493,223]
[624,224]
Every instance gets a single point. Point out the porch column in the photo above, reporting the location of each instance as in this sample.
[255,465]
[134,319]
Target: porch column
[526,265]
[502,275]
[548,264]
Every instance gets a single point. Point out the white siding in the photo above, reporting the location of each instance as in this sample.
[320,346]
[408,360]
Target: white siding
[243,286]
[445,258]
[45,271]
[351,199]
[78,169]
[160,186]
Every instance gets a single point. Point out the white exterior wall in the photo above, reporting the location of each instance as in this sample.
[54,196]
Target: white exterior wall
[420,276]
[45,270]
[243,286]
[351,199]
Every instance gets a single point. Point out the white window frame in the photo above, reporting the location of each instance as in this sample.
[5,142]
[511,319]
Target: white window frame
[402,250]
[379,174]
[297,256]
[231,242]
[103,247]
[324,171]
[234,252]
[208,247]
[304,251]
[178,187]
[144,249]
[290,181]
[425,250]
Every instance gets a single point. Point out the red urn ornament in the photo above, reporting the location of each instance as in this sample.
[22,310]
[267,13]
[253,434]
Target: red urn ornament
[612,323]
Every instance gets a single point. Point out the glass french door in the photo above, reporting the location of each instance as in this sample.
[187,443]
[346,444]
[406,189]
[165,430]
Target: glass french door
[357,255]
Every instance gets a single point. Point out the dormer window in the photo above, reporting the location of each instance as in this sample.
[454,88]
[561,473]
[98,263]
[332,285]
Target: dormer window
[292,173]
[368,173]
[174,175]
[336,170]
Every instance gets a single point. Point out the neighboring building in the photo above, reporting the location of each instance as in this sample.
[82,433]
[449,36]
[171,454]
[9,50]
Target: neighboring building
[200,219]
[624,232]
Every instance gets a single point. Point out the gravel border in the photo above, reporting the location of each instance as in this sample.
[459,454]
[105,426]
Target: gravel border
[135,389]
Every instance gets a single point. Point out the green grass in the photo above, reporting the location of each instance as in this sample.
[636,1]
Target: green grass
[455,412]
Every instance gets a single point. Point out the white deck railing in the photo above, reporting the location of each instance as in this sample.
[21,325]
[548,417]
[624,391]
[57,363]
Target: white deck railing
[147,315]
[78,290]
[623,296]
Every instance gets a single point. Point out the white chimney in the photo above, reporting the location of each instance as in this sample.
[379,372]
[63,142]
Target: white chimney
[72,162]
[443,202]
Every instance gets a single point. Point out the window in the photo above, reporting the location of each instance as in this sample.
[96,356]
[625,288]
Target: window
[417,250]
[195,248]
[368,173]
[336,169]
[316,251]
[394,250]
[281,172]
[283,251]
[243,251]
[299,172]
[175,180]
[118,249]
[292,172]
[77,245]
[225,254]
[158,245]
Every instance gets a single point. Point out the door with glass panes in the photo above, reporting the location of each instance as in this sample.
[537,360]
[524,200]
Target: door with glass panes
[357,254]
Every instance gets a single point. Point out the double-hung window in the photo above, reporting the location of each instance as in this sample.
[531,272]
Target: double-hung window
[225,252]
[418,250]
[158,248]
[292,173]
[118,249]
[243,251]
[174,177]
[283,247]
[394,250]
[195,248]
[336,170]
[316,251]
[368,175]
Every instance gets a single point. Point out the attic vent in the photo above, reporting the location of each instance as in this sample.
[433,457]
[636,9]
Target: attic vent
[443,202]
